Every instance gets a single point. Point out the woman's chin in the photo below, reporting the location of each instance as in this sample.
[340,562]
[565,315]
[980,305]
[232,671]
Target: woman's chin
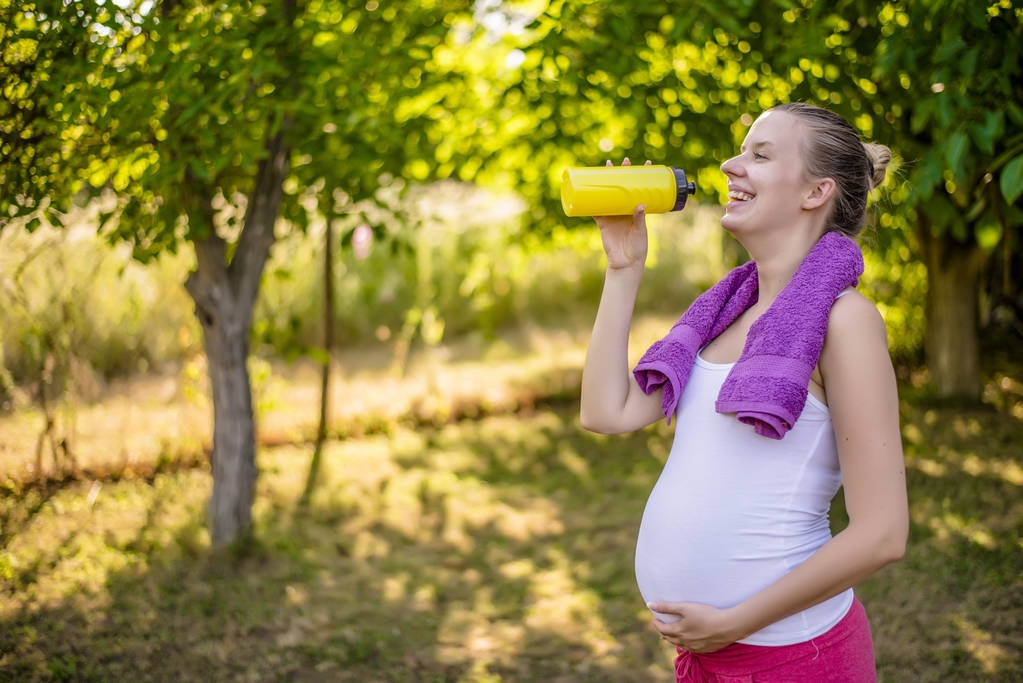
[731,223]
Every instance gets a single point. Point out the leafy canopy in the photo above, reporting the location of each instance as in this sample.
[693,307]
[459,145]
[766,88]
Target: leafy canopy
[169,104]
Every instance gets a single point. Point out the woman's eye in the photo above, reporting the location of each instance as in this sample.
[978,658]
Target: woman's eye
[758,155]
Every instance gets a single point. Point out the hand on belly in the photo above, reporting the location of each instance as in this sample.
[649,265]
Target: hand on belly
[694,626]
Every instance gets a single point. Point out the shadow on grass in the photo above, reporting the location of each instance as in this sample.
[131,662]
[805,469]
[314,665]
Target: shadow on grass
[497,549]
[952,609]
[491,549]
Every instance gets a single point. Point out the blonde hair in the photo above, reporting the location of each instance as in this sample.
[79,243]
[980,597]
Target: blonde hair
[833,149]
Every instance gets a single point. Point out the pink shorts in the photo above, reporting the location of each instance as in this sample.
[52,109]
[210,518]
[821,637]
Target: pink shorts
[845,654]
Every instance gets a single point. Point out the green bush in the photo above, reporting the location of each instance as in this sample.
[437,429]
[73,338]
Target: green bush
[75,305]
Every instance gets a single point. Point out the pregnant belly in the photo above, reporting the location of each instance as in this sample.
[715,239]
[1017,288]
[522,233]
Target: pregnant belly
[696,547]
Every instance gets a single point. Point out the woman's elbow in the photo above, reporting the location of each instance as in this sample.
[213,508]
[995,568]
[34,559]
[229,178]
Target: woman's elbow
[593,422]
[893,551]
[891,545]
[881,543]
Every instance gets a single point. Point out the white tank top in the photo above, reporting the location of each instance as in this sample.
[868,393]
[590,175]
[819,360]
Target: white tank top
[732,512]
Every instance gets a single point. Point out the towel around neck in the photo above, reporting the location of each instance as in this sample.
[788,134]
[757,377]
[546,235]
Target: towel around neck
[767,386]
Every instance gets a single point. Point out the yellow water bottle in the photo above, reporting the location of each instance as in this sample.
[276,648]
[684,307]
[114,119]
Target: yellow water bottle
[618,190]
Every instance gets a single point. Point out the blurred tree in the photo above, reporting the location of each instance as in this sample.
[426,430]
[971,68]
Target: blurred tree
[949,78]
[209,122]
[937,81]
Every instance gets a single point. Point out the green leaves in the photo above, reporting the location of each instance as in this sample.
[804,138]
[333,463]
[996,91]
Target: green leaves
[955,149]
[986,134]
[1010,180]
[170,104]
[946,75]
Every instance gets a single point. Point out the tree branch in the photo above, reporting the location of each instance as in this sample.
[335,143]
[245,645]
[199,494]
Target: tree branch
[257,236]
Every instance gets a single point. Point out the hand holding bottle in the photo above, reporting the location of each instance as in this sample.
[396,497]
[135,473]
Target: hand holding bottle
[624,237]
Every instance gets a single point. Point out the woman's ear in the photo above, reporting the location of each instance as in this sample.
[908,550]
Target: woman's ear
[820,193]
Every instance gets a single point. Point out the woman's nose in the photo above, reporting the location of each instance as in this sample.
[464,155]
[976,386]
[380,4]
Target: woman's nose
[732,166]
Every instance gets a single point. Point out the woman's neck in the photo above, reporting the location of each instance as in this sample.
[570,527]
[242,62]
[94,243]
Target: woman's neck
[777,259]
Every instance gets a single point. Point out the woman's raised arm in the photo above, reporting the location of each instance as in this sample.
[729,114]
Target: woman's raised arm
[612,402]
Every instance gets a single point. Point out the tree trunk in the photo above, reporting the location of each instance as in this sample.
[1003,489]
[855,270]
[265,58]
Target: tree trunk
[952,344]
[233,460]
[224,291]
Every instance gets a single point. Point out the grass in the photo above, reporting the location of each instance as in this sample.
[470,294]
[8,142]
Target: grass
[464,529]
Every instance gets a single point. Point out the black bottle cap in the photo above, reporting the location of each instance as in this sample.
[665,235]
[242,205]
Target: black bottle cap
[683,188]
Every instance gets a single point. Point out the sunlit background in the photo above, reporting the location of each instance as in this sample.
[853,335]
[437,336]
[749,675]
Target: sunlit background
[440,516]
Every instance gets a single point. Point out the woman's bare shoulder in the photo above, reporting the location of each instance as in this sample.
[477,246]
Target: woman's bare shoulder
[856,336]
[854,314]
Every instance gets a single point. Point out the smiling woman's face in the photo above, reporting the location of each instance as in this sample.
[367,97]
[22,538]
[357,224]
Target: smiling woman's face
[767,181]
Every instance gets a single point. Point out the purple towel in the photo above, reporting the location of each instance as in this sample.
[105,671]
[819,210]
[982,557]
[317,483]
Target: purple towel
[767,386]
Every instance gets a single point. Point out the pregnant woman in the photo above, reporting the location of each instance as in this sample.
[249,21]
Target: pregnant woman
[781,389]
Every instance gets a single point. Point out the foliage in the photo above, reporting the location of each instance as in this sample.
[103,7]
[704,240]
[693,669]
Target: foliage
[897,283]
[71,297]
[936,81]
[170,104]
[952,104]
[162,104]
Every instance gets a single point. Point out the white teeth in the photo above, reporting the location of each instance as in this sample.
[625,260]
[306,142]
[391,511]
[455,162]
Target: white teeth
[740,196]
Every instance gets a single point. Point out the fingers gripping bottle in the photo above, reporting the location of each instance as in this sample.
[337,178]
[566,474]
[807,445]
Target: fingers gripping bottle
[618,190]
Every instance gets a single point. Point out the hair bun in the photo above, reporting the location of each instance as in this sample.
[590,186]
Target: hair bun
[878,158]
